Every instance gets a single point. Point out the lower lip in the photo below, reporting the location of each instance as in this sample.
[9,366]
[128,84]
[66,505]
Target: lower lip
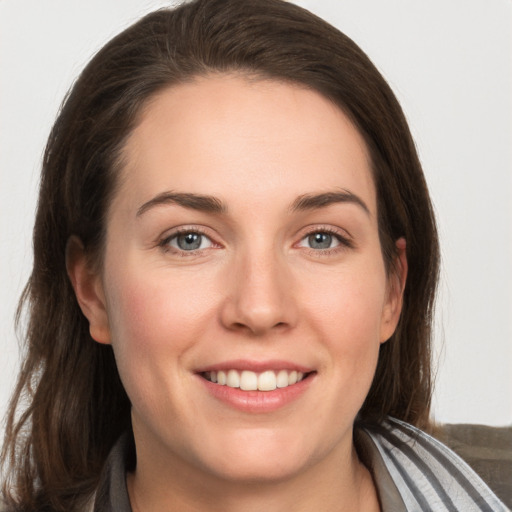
[258,401]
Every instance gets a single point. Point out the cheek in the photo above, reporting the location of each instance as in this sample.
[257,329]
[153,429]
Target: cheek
[348,316]
[350,305]
[151,309]
[155,322]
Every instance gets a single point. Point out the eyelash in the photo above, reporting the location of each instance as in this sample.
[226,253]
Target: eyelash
[344,241]
[164,243]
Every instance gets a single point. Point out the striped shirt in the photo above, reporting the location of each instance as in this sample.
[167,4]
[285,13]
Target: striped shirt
[415,472]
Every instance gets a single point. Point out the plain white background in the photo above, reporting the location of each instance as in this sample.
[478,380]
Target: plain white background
[450,64]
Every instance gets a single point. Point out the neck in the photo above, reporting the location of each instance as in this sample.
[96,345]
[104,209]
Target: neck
[342,484]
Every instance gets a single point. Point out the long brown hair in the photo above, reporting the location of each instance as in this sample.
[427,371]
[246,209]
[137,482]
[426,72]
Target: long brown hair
[69,405]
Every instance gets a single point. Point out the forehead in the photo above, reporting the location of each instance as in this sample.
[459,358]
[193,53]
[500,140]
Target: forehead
[228,135]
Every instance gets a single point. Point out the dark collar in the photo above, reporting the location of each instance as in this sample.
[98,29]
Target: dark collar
[112,493]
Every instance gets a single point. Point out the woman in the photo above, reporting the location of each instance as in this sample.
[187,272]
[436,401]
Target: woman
[235,262]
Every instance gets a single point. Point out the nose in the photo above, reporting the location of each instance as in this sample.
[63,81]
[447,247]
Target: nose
[259,295]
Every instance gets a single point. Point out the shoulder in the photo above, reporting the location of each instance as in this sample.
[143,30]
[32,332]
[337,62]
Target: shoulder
[427,473]
[488,450]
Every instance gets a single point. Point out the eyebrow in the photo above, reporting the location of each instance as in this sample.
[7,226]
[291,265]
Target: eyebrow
[199,202]
[322,200]
[211,204]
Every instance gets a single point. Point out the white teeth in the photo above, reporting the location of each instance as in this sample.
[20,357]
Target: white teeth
[267,381]
[251,381]
[233,379]
[248,381]
[282,379]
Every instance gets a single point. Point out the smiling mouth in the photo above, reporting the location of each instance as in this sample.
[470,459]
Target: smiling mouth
[251,381]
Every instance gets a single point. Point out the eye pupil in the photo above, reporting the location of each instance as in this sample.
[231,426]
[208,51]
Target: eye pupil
[320,240]
[189,241]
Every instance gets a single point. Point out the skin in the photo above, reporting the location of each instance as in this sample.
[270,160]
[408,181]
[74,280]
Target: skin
[256,290]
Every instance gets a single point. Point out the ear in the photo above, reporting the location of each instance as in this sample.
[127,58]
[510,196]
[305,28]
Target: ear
[88,290]
[396,285]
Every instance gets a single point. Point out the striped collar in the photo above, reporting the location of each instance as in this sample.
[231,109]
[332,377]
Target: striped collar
[415,472]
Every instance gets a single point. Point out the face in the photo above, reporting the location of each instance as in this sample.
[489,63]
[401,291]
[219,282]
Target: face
[243,289]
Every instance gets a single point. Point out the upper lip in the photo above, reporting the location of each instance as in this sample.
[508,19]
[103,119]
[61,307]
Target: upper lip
[254,366]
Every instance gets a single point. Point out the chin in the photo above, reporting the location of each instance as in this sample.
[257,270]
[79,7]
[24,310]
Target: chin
[251,470]
[261,457]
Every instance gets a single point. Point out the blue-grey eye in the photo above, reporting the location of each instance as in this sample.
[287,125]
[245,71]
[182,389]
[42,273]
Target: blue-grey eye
[320,240]
[190,241]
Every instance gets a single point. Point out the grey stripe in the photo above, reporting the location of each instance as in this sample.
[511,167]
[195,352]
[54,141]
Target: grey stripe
[423,467]
[455,472]
[416,492]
